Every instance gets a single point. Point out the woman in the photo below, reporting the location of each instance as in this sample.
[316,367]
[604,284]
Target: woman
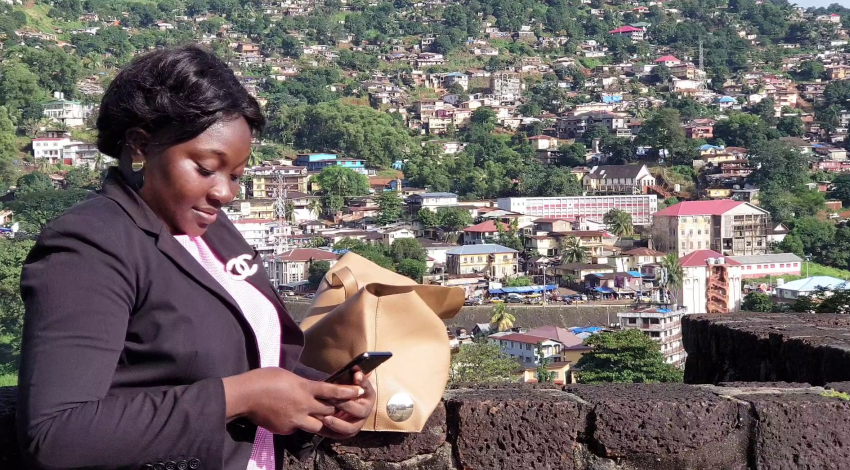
[152,337]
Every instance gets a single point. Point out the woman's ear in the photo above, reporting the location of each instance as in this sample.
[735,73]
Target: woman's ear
[136,141]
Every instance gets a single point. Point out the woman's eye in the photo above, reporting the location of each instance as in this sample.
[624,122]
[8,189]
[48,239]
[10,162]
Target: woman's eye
[204,172]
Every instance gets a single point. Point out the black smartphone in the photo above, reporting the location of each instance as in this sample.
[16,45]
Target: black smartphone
[366,362]
[303,444]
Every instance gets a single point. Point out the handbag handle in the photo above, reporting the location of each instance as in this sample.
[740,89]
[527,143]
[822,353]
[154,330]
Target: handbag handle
[344,278]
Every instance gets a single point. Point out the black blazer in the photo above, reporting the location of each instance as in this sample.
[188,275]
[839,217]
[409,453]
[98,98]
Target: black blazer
[126,339]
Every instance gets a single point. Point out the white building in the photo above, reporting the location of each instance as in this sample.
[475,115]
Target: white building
[777,264]
[291,268]
[432,201]
[70,113]
[663,325]
[711,283]
[50,148]
[641,207]
[808,286]
[257,232]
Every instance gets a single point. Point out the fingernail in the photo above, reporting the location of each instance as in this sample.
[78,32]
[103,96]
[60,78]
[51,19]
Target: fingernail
[360,392]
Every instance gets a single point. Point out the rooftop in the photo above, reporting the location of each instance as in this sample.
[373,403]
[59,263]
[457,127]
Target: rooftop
[686,208]
[811,284]
[770,258]
[306,254]
[700,257]
[483,249]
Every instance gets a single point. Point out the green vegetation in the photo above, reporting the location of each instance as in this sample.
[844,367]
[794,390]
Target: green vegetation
[815,269]
[626,356]
[835,394]
[482,362]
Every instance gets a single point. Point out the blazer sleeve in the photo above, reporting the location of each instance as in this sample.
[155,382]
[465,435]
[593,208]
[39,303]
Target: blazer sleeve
[79,292]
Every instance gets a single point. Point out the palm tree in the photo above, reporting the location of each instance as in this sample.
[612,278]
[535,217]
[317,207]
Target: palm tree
[289,212]
[571,250]
[619,223]
[673,271]
[315,206]
[502,318]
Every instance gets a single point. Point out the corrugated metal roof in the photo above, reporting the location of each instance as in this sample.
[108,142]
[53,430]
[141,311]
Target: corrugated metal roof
[483,249]
[772,258]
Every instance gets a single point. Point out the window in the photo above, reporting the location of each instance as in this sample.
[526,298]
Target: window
[772,266]
[699,245]
[654,321]
[632,320]
[528,347]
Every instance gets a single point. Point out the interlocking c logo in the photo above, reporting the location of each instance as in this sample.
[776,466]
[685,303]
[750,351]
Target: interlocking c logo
[240,264]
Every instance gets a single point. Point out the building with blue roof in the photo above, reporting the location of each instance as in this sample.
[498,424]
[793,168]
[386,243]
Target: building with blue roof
[319,161]
[810,285]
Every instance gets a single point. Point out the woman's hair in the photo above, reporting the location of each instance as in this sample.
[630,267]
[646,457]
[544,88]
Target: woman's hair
[174,95]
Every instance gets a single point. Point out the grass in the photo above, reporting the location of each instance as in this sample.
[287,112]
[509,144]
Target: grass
[835,394]
[8,380]
[815,269]
[37,19]
[8,374]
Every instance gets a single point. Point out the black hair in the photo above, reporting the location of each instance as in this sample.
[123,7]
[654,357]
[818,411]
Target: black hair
[175,95]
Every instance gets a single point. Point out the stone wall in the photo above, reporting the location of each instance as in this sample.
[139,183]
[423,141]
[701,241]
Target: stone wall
[595,427]
[762,347]
[526,315]
[751,423]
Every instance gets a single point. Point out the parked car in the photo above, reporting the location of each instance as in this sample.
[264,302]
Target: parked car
[496,300]
[514,299]
[473,301]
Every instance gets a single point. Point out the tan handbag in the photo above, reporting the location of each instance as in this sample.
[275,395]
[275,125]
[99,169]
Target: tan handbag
[359,307]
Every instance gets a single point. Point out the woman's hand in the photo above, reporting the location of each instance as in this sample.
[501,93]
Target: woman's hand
[351,414]
[283,402]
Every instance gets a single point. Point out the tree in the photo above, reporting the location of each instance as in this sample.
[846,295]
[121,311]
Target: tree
[626,356]
[33,182]
[792,244]
[20,90]
[811,70]
[317,272]
[519,281]
[663,131]
[454,219]
[80,177]
[744,130]
[427,217]
[674,274]
[757,302]
[8,149]
[35,209]
[12,256]
[572,155]
[815,234]
[342,182]
[408,248]
[482,362]
[389,208]
[412,268]
[544,375]
[619,222]
[571,250]
[374,253]
[502,318]
[791,126]
[841,188]
[778,165]
[660,73]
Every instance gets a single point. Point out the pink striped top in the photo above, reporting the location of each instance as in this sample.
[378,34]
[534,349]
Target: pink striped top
[261,315]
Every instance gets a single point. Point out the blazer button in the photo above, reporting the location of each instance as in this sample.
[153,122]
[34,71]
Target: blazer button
[194,464]
[158,466]
[182,465]
[170,465]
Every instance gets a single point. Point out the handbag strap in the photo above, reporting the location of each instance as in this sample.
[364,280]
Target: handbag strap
[344,278]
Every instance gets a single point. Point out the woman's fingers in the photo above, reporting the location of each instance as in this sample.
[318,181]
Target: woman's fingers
[311,425]
[335,392]
[340,426]
[321,408]
[356,409]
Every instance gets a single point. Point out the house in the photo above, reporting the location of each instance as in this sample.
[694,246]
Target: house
[730,227]
[431,201]
[70,113]
[319,161]
[550,244]
[638,257]
[617,284]
[635,34]
[808,286]
[268,180]
[700,129]
[571,272]
[618,179]
[506,86]
[710,283]
[483,232]
[396,233]
[543,142]
[257,232]
[776,264]
[576,125]
[292,267]
[667,61]
[435,250]
[558,344]
[560,373]
[663,325]
[493,260]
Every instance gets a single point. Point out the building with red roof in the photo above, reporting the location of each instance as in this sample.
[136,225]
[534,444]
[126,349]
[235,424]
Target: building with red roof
[635,34]
[711,283]
[731,228]
[668,60]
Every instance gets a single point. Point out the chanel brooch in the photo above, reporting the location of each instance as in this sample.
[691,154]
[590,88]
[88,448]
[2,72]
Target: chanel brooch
[239,269]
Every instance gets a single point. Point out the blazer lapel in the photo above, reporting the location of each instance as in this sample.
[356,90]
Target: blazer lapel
[115,189]
[229,244]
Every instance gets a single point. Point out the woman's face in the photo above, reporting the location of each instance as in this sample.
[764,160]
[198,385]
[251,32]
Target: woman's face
[186,185]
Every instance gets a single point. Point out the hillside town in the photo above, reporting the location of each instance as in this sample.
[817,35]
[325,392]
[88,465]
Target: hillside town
[659,157]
